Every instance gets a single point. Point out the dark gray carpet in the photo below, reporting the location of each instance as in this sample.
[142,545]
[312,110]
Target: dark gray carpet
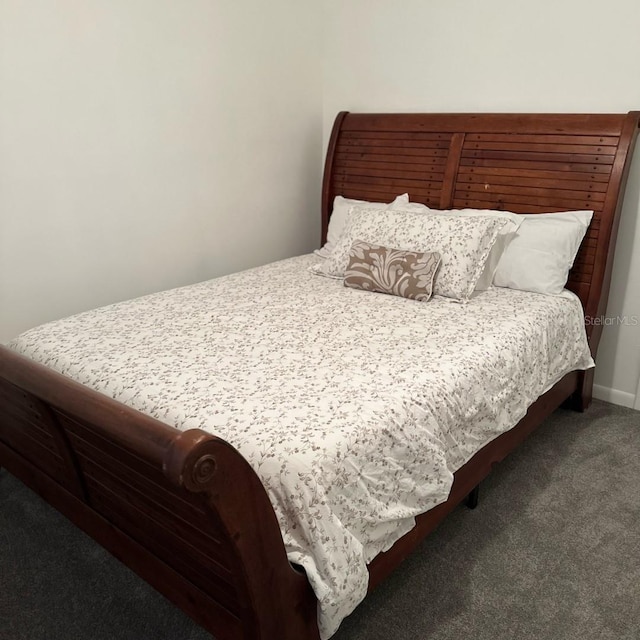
[551,553]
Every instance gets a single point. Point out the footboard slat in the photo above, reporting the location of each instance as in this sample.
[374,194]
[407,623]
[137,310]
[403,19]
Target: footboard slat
[163,527]
[82,434]
[20,415]
[208,545]
[166,547]
[34,433]
[30,430]
[158,492]
[25,444]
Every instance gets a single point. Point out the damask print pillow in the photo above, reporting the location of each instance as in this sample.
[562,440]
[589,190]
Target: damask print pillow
[399,273]
[463,243]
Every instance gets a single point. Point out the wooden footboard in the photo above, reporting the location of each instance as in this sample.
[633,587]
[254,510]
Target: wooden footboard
[182,509]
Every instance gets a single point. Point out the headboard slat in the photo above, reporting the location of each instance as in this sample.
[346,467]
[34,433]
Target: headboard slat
[595,183]
[538,164]
[528,123]
[540,139]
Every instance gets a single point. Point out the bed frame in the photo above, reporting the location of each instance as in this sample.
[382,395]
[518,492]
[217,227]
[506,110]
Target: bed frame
[184,509]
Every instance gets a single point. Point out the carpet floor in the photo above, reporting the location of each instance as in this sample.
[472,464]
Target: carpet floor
[551,553]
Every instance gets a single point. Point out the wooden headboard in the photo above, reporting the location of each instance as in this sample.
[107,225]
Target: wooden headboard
[525,163]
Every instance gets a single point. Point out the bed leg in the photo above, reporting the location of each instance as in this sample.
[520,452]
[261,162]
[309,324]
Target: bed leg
[471,501]
[580,399]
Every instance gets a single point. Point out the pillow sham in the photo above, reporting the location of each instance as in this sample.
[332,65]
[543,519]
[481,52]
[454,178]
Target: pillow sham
[505,236]
[463,243]
[541,254]
[339,214]
[407,274]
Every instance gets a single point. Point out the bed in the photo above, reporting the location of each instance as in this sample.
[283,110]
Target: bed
[184,508]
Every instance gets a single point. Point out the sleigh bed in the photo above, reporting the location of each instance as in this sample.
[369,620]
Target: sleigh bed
[184,508]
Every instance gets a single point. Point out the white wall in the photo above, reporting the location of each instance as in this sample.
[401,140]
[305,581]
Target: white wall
[146,144]
[500,55]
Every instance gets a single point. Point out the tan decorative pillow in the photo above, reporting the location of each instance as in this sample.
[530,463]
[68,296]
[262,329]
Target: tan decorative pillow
[399,273]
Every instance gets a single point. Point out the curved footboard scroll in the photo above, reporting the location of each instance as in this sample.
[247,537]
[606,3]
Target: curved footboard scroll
[182,509]
[282,604]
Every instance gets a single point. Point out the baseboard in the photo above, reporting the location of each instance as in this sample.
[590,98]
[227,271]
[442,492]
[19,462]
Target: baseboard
[614,396]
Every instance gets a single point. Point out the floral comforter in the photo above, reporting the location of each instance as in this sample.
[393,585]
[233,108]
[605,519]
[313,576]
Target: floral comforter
[354,408]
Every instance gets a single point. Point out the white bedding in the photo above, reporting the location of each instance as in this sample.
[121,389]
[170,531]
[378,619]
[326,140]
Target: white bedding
[354,408]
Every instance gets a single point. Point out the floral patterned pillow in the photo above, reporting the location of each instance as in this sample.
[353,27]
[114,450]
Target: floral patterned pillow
[399,273]
[463,243]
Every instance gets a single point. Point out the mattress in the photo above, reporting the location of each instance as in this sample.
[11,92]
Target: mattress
[354,408]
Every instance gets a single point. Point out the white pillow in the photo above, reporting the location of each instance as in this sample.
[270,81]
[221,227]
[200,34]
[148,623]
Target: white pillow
[463,242]
[338,218]
[541,254]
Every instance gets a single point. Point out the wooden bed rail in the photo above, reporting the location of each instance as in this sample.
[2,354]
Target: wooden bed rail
[114,471]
